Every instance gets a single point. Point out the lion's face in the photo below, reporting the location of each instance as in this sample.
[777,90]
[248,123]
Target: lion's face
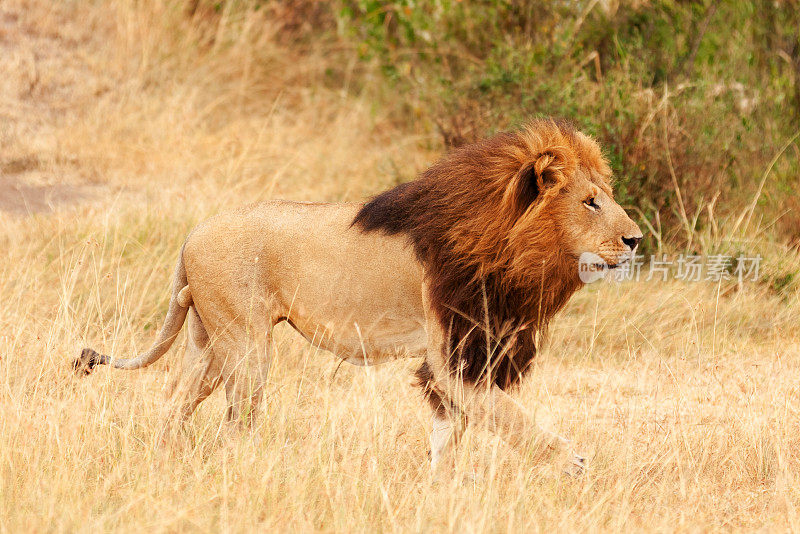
[591,221]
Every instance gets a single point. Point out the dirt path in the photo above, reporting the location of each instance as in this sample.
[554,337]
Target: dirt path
[44,77]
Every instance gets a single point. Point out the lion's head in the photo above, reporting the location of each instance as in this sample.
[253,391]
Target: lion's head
[568,206]
[500,227]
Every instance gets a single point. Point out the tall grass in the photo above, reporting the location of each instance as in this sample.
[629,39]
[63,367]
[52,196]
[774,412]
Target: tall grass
[683,396]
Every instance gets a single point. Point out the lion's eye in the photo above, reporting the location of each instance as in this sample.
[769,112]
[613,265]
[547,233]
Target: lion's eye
[591,204]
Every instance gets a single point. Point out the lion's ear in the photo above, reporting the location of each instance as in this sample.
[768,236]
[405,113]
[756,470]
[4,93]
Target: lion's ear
[538,175]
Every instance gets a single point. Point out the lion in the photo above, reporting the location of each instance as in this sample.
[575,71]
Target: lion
[462,267]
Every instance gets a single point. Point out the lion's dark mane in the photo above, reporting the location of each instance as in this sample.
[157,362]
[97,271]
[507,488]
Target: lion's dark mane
[459,215]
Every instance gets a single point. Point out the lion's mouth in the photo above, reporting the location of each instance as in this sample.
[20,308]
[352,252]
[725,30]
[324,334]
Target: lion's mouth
[610,266]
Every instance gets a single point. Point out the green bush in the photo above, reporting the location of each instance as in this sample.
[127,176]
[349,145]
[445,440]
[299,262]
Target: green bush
[705,92]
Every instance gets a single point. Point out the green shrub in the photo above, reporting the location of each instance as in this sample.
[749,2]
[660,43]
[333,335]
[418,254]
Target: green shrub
[704,92]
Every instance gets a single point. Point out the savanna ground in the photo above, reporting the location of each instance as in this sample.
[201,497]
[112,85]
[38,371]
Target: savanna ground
[123,124]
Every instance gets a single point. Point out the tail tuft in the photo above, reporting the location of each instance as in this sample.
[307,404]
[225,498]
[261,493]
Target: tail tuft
[84,364]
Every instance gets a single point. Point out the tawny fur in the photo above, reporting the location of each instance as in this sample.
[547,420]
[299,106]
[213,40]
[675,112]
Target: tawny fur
[461,267]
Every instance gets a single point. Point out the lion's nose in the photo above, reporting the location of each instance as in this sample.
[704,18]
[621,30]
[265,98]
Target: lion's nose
[632,241]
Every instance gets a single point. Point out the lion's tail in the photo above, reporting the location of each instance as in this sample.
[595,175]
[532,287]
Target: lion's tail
[178,307]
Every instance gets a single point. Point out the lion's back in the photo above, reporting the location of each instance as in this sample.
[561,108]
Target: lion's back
[304,255]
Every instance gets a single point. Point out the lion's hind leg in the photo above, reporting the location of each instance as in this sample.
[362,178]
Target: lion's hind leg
[244,387]
[199,375]
[246,349]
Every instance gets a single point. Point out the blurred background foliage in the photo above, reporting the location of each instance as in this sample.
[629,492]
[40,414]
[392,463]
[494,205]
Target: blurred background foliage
[696,103]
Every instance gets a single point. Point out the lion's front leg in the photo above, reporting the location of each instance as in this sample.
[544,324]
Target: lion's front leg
[447,424]
[490,406]
[501,414]
[442,440]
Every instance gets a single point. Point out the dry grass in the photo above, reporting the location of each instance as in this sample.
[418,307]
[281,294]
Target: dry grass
[686,400]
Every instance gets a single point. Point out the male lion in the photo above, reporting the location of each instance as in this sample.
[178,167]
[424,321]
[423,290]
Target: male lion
[461,267]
